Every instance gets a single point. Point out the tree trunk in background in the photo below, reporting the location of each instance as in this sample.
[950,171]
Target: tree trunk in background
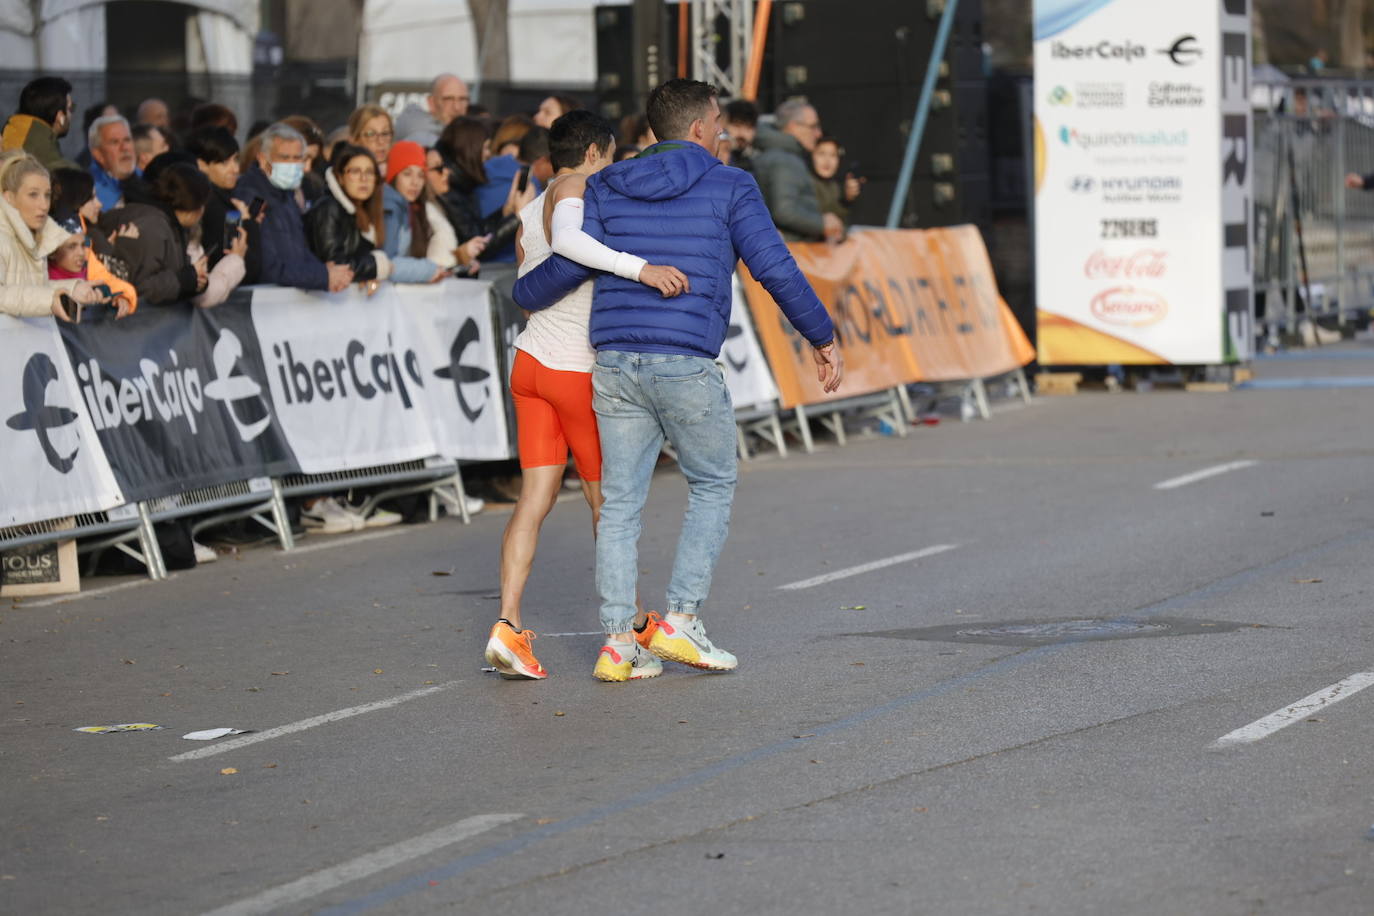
[1348,22]
[489,18]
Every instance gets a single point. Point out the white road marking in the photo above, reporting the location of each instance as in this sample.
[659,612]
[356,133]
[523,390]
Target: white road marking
[340,541]
[91,593]
[335,716]
[1263,728]
[589,633]
[868,567]
[312,885]
[1175,482]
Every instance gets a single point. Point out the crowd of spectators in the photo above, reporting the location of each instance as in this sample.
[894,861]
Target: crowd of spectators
[164,209]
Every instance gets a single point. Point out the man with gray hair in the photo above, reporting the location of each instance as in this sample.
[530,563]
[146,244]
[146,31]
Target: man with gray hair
[783,170]
[112,158]
[269,188]
[448,99]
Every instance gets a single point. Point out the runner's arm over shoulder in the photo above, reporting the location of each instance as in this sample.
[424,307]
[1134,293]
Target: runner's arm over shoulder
[763,251]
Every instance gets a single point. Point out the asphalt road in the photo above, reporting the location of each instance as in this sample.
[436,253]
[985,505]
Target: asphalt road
[927,736]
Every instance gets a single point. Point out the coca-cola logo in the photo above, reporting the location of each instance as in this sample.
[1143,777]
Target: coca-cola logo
[1142,264]
[1129,306]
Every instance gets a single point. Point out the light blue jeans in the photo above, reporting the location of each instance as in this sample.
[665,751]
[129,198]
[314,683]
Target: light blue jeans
[640,399]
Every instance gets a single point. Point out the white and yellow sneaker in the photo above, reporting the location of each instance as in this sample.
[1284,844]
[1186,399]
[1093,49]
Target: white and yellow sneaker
[683,639]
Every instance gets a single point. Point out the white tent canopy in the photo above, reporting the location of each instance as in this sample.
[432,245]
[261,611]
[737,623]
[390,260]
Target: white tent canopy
[552,42]
[70,35]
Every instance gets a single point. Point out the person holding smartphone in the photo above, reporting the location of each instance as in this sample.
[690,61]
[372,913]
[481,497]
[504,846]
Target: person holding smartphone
[217,155]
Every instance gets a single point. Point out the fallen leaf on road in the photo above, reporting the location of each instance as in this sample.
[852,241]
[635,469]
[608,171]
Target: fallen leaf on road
[376,670]
[715,855]
[269,766]
[1306,581]
[544,820]
[560,713]
[128,661]
[854,607]
[1316,719]
[857,664]
[228,771]
[807,735]
[280,673]
[429,682]
[442,572]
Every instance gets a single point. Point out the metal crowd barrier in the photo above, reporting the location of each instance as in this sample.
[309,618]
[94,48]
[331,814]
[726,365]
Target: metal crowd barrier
[261,499]
[1314,238]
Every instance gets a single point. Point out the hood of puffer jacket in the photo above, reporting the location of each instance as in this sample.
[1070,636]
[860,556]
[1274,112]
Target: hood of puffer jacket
[49,239]
[768,137]
[662,172]
[337,190]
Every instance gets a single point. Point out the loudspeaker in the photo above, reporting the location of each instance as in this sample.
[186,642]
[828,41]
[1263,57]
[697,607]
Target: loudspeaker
[633,55]
[863,70]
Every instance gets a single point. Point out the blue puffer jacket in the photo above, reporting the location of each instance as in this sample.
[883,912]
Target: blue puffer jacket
[676,204]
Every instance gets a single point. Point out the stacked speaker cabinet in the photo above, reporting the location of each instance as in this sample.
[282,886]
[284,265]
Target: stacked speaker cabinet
[862,65]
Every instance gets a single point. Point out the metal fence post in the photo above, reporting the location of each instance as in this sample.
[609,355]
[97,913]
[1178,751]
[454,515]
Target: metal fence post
[147,542]
[1338,186]
[280,518]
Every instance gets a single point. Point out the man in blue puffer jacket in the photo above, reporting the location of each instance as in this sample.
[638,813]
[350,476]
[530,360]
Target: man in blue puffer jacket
[655,375]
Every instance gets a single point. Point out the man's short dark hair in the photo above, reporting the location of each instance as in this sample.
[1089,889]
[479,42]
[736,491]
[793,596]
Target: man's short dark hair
[534,145]
[741,111]
[45,98]
[182,186]
[573,133]
[212,145]
[676,104]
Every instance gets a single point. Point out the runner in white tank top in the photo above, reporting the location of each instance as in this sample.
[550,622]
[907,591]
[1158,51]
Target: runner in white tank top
[551,378]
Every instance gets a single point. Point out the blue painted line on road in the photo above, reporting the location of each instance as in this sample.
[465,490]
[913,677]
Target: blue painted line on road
[464,864]
[1290,384]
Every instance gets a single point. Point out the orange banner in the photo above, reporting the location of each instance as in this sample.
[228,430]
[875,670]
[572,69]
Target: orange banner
[909,305]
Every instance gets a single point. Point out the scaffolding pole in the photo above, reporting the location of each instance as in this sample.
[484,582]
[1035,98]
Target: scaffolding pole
[707,39]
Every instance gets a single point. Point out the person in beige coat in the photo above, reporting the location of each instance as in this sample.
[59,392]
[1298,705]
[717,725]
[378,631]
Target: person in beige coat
[27,236]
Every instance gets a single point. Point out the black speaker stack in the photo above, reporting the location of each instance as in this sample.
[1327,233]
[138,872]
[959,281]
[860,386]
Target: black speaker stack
[861,64]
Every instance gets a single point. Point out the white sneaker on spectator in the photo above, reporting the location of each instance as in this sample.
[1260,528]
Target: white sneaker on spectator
[204,554]
[382,518]
[327,516]
[474,505]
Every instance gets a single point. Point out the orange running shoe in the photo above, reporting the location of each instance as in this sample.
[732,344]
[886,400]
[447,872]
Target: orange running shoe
[650,625]
[509,652]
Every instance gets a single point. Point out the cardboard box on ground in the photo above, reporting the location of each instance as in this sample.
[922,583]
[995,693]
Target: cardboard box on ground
[40,569]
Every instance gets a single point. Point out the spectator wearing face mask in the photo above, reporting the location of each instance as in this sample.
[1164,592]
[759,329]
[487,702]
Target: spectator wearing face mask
[28,235]
[346,227]
[112,158]
[312,184]
[44,117]
[273,179]
[149,142]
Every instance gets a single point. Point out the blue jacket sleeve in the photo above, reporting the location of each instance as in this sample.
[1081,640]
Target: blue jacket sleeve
[412,270]
[763,251]
[558,276]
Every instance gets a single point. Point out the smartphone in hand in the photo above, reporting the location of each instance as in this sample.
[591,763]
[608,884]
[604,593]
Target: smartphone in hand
[71,308]
[524,179]
[256,207]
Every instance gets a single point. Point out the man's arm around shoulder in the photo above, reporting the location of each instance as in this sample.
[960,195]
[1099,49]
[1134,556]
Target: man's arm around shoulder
[558,276]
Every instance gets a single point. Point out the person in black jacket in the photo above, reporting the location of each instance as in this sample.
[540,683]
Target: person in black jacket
[217,155]
[158,263]
[462,145]
[346,227]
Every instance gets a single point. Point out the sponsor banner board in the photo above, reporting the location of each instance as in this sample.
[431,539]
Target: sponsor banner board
[177,398]
[1142,142]
[908,305]
[741,358]
[55,465]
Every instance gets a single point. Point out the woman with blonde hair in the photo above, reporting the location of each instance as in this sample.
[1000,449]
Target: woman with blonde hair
[28,235]
[370,127]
